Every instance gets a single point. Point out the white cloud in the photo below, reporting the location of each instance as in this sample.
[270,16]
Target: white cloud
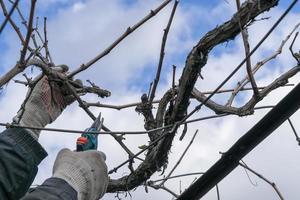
[83,29]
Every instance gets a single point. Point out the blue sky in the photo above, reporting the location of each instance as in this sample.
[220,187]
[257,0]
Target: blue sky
[78,30]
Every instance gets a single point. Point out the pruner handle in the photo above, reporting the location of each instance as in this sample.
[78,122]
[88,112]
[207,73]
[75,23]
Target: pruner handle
[89,140]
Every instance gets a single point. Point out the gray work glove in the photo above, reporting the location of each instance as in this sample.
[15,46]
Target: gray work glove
[46,102]
[85,171]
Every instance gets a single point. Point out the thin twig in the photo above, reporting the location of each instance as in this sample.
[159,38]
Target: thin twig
[18,68]
[117,107]
[294,131]
[41,40]
[249,178]
[162,52]
[244,33]
[291,48]
[263,178]
[7,16]
[29,32]
[15,27]
[20,14]
[24,22]
[178,176]
[28,81]
[81,104]
[173,76]
[47,52]
[218,192]
[123,36]
[180,159]
[149,91]
[36,29]
[157,187]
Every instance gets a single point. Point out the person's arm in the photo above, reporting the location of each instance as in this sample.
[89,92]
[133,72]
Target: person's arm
[52,189]
[20,154]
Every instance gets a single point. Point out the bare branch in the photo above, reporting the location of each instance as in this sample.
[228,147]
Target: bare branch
[95,90]
[263,178]
[157,187]
[173,76]
[177,176]
[294,131]
[28,81]
[218,192]
[47,52]
[123,36]
[295,55]
[180,159]
[18,68]
[248,108]
[21,64]
[117,107]
[123,106]
[17,30]
[15,27]
[7,16]
[162,52]
[24,22]
[244,33]
[241,84]
[29,32]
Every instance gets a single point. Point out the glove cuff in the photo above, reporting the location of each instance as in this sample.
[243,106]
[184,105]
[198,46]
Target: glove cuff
[23,139]
[33,132]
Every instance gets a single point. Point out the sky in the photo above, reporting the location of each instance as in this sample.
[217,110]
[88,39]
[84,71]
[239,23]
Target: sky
[79,30]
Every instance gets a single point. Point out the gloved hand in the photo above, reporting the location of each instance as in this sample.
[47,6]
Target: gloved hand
[85,171]
[45,104]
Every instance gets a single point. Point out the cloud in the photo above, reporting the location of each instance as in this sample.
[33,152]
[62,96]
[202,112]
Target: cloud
[81,29]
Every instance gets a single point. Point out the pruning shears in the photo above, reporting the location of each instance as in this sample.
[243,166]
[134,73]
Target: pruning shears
[89,140]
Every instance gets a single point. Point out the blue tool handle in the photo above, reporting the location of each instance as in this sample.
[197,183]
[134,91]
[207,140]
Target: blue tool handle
[91,142]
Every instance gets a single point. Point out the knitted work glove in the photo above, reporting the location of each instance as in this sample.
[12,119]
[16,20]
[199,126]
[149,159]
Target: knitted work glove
[45,104]
[85,171]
